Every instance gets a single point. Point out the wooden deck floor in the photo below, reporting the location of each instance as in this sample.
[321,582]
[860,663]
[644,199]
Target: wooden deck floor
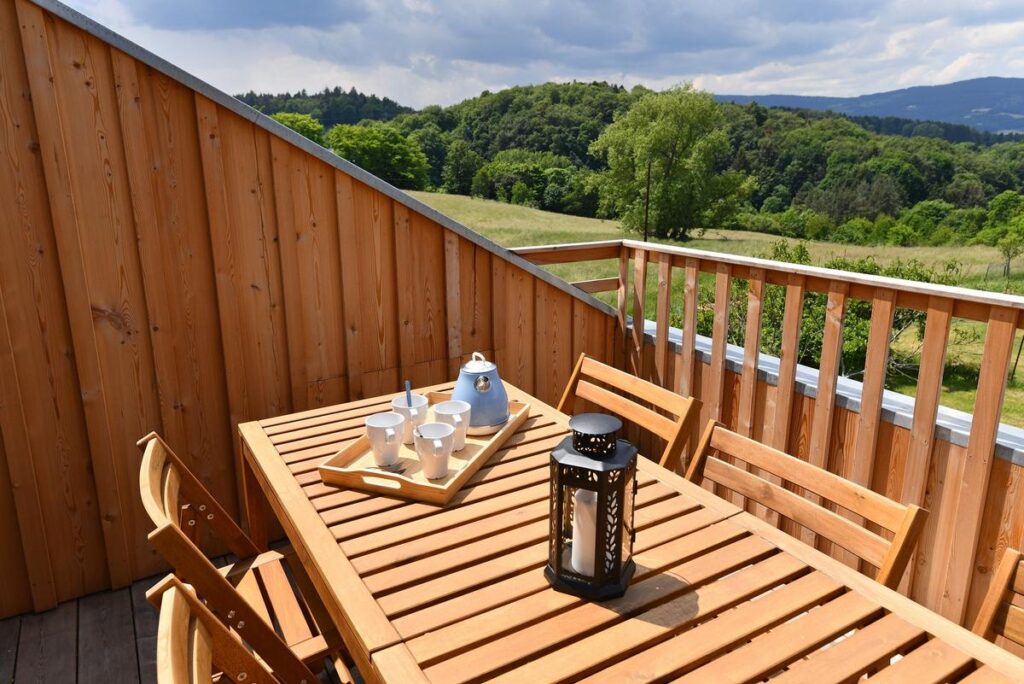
[106,637]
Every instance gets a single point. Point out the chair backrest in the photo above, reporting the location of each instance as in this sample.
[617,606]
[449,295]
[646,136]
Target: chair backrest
[904,522]
[584,384]
[193,644]
[164,483]
[1001,612]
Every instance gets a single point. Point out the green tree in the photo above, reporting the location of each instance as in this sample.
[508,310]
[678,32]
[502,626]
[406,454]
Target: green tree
[666,161]
[434,144]
[1011,246]
[460,165]
[303,124]
[383,151]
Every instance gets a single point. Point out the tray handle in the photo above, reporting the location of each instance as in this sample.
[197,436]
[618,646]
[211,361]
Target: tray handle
[381,481]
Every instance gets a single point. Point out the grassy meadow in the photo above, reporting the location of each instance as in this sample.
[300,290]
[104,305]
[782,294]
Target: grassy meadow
[517,226]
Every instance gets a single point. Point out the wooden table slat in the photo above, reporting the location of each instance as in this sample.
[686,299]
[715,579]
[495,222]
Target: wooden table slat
[868,648]
[787,643]
[934,659]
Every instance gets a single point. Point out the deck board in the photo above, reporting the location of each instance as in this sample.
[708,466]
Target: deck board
[47,646]
[145,631]
[106,639]
[9,630]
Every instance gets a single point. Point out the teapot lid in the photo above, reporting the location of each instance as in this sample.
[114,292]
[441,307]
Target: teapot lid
[478,364]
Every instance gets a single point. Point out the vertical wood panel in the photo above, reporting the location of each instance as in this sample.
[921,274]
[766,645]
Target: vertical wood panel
[453,299]
[428,288]
[791,321]
[926,404]
[922,432]
[19,595]
[520,341]
[73,97]
[622,304]
[662,319]
[684,371]
[474,272]
[751,351]
[859,464]
[304,198]
[500,313]
[43,427]
[406,290]
[636,353]
[554,354]
[820,445]
[165,175]
[974,477]
[246,264]
[350,292]
[719,342]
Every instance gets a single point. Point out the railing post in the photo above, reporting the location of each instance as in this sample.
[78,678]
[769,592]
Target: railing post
[639,294]
[926,409]
[860,467]
[828,373]
[662,319]
[623,284]
[973,473]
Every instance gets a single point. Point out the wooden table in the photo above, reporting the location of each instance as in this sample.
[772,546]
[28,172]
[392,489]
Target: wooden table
[453,594]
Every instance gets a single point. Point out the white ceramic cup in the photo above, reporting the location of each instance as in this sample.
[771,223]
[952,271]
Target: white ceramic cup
[434,443]
[455,413]
[415,413]
[384,432]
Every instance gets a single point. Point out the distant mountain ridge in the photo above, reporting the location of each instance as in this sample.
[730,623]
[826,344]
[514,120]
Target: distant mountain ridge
[993,103]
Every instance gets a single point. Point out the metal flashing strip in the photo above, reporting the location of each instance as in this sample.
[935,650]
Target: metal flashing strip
[951,425]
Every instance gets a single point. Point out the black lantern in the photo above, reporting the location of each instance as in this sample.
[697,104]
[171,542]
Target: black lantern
[593,486]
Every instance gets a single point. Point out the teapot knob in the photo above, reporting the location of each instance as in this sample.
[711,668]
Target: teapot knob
[482,384]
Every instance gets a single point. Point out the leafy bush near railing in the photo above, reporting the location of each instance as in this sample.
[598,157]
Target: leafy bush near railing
[858,312]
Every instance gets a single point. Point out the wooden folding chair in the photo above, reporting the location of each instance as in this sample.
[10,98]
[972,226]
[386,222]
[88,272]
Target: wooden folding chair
[194,646]
[582,385]
[1002,610]
[905,522]
[253,596]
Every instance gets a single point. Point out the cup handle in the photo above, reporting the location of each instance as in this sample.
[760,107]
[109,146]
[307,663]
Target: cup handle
[456,420]
[413,412]
[389,435]
[438,446]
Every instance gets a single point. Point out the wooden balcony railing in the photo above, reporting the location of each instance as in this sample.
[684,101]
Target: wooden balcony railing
[968,488]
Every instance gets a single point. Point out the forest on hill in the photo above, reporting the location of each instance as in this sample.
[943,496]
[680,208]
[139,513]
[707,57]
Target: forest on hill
[681,162]
[331,106]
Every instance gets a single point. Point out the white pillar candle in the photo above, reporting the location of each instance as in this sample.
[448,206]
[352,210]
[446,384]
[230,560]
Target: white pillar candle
[584,531]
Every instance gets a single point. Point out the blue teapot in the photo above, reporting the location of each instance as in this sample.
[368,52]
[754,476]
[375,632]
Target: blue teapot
[480,386]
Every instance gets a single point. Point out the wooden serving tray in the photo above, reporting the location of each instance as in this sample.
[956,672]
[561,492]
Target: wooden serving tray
[354,466]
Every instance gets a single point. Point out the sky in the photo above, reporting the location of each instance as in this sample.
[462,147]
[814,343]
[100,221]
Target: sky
[422,52]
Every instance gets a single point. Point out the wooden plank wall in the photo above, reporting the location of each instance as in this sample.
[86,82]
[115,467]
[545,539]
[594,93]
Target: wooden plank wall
[166,264]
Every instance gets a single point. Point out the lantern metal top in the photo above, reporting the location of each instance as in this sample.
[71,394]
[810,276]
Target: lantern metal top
[595,424]
[593,434]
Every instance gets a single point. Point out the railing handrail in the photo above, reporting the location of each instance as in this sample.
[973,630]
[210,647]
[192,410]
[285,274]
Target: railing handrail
[899,284]
[571,252]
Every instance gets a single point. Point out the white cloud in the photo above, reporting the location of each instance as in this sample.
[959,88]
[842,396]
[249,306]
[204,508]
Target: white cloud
[440,51]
